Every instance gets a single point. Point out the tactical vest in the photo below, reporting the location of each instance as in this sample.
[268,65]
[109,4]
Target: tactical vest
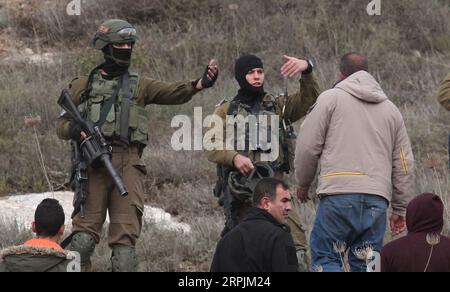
[286,142]
[100,91]
[267,108]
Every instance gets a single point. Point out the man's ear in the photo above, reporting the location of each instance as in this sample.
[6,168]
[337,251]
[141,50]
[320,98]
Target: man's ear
[61,230]
[265,203]
[341,76]
[33,227]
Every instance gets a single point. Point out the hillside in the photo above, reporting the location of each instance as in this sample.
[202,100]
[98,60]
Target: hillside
[42,49]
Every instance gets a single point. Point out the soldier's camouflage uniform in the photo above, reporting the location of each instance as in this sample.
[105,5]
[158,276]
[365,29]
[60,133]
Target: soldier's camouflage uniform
[297,106]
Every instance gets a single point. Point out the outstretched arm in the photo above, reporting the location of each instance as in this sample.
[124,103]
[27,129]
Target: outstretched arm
[164,93]
[298,104]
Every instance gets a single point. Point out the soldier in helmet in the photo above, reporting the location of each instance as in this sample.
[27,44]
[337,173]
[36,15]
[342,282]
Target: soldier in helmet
[114,99]
[252,99]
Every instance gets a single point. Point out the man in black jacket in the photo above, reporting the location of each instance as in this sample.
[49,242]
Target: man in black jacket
[262,242]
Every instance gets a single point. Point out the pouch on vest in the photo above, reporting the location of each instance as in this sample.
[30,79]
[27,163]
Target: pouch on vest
[138,124]
[95,108]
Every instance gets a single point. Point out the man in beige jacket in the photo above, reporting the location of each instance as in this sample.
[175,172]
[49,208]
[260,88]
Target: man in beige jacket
[357,138]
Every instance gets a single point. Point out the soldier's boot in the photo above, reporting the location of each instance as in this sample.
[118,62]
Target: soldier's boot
[124,259]
[84,244]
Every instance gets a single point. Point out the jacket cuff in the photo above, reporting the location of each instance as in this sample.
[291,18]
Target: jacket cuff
[399,212]
[308,70]
[307,78]
[229,157]
[194,86]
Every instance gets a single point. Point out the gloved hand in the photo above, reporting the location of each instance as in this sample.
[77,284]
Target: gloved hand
[210,75]
[75,131]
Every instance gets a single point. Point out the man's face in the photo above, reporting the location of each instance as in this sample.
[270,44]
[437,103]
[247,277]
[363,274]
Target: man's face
[255,77]
[281,206]
[122,46]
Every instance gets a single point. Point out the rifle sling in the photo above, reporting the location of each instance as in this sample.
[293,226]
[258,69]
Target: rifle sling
[125,108]
[106,106]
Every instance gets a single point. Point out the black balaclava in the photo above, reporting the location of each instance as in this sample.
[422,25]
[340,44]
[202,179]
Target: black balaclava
[117,61]
[248,93]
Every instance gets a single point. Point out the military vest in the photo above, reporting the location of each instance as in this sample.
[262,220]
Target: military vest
[265,108]
[99,93]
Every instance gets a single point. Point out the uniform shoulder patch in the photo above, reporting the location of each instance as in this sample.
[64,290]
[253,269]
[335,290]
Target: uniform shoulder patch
[78,82]
[73,80]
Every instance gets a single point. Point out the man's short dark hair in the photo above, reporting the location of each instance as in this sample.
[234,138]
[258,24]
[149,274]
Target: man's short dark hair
[352,63]
[267,187]
[48,218]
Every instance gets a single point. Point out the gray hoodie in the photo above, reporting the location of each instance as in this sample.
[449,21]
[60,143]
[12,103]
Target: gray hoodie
[357,138]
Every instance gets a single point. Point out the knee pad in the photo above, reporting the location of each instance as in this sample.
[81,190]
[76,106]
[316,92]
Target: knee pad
[124,259]
[84,244]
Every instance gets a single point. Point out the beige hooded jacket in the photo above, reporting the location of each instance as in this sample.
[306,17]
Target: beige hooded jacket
[357,138]
[444,93]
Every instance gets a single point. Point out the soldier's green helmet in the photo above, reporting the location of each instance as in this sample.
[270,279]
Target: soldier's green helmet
[242,187]
[114,31]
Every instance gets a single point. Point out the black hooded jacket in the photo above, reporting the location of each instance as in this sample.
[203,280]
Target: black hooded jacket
[258,244]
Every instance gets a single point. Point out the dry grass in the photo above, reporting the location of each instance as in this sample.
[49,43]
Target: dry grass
[12,233]
[408,47]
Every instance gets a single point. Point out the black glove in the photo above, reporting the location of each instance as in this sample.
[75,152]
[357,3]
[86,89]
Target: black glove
[206,83]
[310,68]
[75,131]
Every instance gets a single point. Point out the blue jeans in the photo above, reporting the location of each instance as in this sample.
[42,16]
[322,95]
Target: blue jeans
[357,220]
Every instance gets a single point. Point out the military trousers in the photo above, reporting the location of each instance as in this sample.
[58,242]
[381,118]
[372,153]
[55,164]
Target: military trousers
[125,213]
